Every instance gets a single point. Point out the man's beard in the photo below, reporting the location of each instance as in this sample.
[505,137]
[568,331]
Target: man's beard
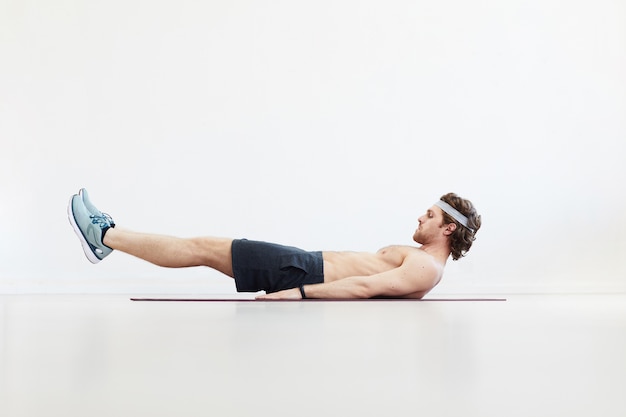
[419,237]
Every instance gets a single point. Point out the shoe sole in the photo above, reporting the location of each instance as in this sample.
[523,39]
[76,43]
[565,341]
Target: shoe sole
[86,247]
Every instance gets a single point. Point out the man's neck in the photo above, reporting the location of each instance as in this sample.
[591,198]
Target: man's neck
[437,251]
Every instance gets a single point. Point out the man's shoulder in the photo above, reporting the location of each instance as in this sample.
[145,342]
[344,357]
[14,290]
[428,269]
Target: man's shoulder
[419,258]
[411,257]
[418,272]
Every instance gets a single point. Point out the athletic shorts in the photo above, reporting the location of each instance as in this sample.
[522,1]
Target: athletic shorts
[270,267]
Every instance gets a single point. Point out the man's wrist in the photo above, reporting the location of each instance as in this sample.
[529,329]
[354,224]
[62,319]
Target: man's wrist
[302,292]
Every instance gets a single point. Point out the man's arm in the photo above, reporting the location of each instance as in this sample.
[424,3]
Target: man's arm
[414,275]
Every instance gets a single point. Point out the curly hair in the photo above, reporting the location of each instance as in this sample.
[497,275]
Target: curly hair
[462,238]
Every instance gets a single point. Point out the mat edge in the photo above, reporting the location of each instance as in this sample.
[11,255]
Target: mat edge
[309,299]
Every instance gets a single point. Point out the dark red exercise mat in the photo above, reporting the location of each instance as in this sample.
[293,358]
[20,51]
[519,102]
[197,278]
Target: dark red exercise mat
[216,300]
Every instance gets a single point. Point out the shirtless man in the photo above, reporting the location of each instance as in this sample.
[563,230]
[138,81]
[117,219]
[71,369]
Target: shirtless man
[284,272]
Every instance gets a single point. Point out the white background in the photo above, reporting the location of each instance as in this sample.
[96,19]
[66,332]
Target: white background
[327,125]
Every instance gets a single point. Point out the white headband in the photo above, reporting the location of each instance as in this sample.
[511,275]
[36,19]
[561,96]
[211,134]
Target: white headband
[456,215]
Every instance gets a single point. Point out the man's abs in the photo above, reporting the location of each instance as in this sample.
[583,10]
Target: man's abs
[338,265]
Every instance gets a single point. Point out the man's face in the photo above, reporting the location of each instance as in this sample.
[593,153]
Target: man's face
[430,225]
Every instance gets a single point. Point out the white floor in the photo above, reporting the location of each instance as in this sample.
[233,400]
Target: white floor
[107,356]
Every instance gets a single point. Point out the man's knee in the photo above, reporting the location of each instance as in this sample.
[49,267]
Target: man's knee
[214,252]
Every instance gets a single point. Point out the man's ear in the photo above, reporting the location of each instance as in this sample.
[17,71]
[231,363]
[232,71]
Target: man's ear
[450,228]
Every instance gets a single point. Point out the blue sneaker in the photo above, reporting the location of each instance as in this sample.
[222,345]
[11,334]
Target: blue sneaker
[89,228]
[91,208]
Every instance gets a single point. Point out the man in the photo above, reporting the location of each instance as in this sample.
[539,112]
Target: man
[284,272]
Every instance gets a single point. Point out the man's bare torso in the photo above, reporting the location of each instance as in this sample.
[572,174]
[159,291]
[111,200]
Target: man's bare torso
[338,265]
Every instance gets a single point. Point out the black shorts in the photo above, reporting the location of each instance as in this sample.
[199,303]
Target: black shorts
[267,266]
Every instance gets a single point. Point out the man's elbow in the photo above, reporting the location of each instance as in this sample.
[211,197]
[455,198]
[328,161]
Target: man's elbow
[366,290]
[372,290]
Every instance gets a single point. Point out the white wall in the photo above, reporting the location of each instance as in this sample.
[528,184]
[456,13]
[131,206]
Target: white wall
[322,124]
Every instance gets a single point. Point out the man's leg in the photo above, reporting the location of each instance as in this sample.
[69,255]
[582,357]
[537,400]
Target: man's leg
[99,237]
[173,252]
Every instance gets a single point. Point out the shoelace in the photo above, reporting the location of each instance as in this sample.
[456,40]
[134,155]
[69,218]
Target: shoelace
[109,219]
[102,221]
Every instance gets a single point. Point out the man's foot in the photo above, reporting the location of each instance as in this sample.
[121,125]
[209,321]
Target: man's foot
[91,208]
[90,228]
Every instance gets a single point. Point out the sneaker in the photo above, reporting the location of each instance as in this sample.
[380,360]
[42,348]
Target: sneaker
[89,228]
[91,208]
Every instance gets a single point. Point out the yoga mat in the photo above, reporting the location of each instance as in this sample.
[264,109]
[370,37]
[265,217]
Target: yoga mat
[216,300]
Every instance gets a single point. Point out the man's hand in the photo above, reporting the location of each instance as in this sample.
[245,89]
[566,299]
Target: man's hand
[290,294]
